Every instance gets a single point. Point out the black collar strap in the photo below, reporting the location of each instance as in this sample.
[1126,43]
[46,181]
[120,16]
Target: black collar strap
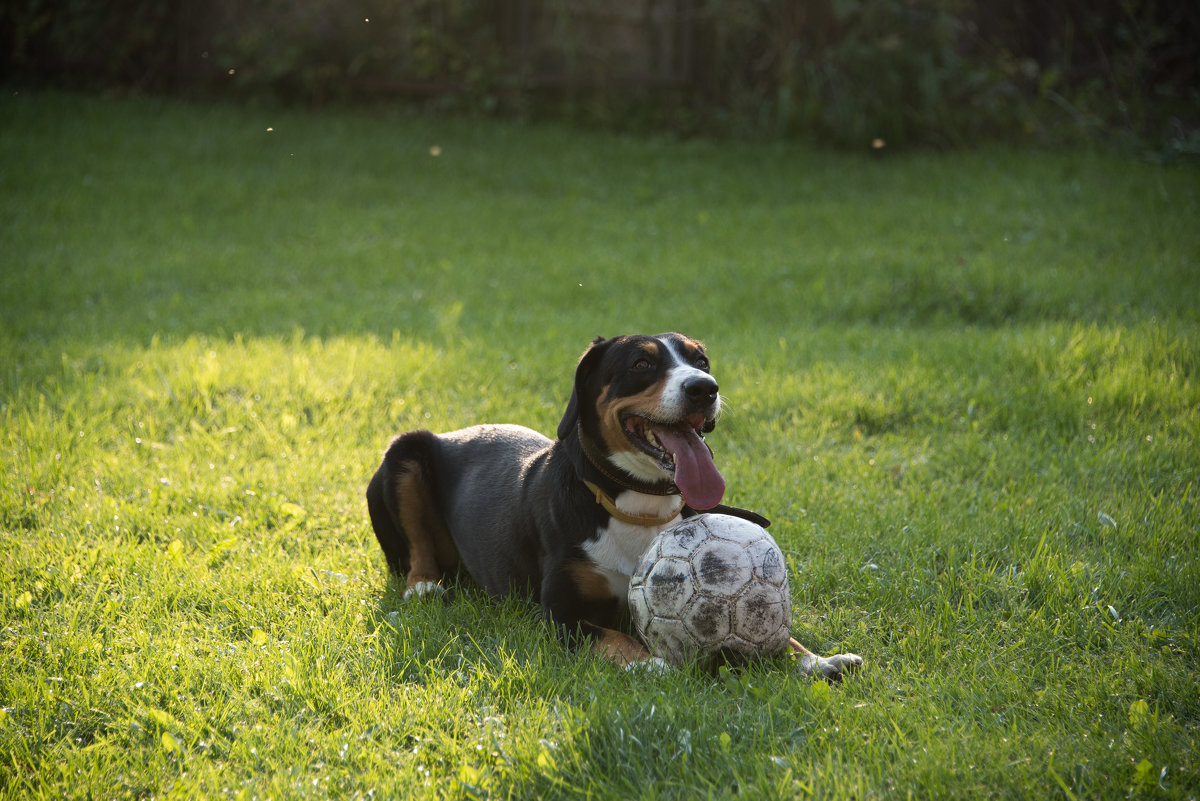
[597,460]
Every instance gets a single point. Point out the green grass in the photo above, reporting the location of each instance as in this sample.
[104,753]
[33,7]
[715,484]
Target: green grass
[965,388]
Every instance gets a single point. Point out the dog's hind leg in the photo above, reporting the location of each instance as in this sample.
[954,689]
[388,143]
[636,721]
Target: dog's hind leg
[410,530]
[431,552]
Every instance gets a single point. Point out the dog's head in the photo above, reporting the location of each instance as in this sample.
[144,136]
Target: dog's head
[644,404]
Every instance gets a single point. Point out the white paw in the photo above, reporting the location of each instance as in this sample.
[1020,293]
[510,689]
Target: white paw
[423,589]
[654,665]
[836,666]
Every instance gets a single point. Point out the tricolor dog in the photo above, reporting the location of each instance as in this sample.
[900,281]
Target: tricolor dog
[565,520]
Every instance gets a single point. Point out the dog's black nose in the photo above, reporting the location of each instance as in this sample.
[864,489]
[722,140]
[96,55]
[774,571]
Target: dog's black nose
[700,388]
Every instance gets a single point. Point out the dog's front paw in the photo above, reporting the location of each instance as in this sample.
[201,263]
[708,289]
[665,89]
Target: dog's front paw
[830,668]
[424,589]
[836,667]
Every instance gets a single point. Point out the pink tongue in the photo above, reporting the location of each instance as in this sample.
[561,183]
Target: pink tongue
[695,474]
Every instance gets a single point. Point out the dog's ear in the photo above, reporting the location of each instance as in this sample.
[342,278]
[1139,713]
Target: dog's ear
[587,363]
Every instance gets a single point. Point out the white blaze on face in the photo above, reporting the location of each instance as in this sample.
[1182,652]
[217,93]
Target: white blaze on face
[674,399]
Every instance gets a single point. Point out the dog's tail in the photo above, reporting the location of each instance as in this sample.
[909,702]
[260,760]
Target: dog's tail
[386,522]
[407,523]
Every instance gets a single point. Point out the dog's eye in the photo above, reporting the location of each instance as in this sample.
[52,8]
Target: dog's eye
[701,362]
[642,365]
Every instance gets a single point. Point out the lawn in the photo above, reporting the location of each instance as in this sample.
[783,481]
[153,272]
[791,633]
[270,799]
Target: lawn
[965,388]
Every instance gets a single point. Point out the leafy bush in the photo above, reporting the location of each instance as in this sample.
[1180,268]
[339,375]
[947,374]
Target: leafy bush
[847,72]
[122,42]
[858,71]
[945,72]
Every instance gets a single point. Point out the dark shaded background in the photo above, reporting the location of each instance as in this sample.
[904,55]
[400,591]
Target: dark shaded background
[844,72]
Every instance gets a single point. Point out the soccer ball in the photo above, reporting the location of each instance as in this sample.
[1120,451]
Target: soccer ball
[713,586]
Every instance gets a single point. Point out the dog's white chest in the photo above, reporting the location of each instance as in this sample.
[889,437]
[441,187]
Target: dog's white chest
[618,546]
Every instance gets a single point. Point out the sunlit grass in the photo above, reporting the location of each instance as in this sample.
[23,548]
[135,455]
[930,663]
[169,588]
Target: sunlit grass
[964,388]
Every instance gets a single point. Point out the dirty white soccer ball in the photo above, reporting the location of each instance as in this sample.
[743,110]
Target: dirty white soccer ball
[712,586]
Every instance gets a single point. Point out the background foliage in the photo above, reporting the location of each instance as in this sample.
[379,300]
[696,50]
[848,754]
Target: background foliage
[940,72]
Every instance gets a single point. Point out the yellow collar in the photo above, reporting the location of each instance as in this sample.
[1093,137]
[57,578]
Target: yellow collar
[645,521]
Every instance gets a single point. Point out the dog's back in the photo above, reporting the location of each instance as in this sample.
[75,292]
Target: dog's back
[446,499]
[492,466]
